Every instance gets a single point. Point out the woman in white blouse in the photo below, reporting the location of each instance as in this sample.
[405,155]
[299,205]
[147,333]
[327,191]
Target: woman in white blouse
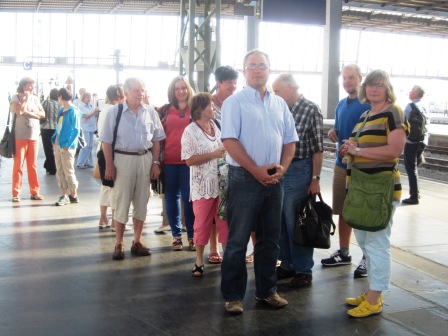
[201,149]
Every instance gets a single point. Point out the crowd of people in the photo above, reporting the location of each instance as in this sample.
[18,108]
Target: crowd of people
[272,142]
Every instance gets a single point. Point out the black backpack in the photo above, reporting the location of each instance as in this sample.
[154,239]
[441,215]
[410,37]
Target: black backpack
[417,121]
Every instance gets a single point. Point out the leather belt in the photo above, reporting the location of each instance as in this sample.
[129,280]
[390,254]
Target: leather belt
[296,159]
[139,153]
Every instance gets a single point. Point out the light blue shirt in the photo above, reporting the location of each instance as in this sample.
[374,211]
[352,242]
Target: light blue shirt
[87,125]
[135,132]
[261,126]
[422,108]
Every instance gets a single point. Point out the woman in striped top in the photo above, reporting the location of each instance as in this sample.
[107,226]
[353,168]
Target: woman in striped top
[378,148]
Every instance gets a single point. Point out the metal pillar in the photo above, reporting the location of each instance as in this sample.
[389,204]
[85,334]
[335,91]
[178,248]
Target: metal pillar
[331,66]
[200,49]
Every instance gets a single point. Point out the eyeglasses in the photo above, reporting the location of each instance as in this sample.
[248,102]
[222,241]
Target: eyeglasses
[253,67]
[377,85]
[181,89]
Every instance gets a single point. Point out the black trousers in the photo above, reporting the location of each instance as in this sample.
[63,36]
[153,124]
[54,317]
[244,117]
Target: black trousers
[49,164]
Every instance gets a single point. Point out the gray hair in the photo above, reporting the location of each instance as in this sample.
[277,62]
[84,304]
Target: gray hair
[419,90]
[253,52]
[132,80]
[289,79]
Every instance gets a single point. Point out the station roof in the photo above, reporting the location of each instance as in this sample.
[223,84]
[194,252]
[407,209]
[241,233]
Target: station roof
[411,16]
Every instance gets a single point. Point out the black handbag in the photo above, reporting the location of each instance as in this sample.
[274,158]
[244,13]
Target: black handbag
[7,144]
[314,223]
[100,154]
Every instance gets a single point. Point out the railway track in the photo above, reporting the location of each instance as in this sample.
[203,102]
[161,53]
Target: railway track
[439,163]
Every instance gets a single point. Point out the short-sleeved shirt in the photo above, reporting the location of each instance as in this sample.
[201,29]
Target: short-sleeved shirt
[87,125]
[374,134]
[204,177]
[28,128]
[261,126]
[135,132]
[310,128]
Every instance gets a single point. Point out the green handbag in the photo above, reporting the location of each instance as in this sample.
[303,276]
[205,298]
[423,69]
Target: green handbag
[368,204]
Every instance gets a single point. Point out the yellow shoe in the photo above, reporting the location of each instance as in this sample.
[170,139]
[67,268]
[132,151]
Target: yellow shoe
[366,309]
[356,301]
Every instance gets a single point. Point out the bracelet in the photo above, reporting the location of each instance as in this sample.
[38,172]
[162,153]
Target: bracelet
[157,162]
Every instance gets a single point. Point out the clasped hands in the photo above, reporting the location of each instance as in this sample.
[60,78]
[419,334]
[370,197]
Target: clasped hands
[349,147]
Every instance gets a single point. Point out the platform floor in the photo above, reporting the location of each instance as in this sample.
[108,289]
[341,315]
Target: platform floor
[57,276]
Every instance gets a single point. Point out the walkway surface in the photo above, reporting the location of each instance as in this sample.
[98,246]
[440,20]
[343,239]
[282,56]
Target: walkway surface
[57,276]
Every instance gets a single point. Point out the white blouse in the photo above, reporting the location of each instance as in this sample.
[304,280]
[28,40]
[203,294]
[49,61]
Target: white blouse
[203,178]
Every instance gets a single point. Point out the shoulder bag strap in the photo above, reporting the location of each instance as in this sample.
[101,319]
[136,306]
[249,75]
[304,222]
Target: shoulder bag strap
[120,111]
[362,126]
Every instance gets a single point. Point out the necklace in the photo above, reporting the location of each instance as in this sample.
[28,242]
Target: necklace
[211,136]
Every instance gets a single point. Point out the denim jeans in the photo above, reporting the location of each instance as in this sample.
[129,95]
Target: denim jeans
[84,153]
[176,183]
[411,152]
[251,205]
[376,248]
[296,182]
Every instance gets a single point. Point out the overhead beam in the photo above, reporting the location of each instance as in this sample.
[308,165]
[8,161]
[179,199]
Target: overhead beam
[80,3]
[117,6]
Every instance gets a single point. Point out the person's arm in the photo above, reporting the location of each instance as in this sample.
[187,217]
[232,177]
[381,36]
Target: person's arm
[314,187]
[395,145]
[288,151]
[196,160]
[239,154]
[110,173]
[155,167]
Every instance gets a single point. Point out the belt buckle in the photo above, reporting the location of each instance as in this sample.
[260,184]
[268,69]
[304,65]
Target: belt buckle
[141,152]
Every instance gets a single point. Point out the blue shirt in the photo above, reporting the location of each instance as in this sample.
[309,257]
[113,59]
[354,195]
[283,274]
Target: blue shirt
[421,107]
[261,126]
[347,116]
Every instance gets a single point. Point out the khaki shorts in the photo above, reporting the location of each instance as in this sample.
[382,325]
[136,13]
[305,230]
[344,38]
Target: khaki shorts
[339,191]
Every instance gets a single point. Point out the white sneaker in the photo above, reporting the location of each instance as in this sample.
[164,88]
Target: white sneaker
[163,228]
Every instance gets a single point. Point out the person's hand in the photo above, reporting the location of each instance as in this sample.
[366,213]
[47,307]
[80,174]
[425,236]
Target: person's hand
[333,135]
[65,148]
[262,175]
[220,153]
[155,171]
[349,147]
[314,187]
[110,173]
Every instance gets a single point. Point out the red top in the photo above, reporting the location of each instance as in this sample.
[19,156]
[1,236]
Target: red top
[176,122]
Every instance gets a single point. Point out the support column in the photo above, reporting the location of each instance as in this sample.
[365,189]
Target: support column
[331,62]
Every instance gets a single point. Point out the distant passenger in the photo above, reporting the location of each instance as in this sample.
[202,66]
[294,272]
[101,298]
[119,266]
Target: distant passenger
[28,111]
[414,148]
[78,99]
[301,179]
[65,141]
[259,136]
[136,153]
[51,107]
[347,115]
[88,125]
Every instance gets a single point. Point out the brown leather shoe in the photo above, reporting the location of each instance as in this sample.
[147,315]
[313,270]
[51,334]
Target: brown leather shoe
[301,280]
[139,249]
[118,253]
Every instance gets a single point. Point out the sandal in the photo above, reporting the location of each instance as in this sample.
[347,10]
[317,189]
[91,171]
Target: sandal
[192,245]
[198,271]
[177,244]
[250,258]
[214,258]
[36,197]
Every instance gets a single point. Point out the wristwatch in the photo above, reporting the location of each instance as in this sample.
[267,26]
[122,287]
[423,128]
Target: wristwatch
[316,177]
[357,150]
[156,162]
